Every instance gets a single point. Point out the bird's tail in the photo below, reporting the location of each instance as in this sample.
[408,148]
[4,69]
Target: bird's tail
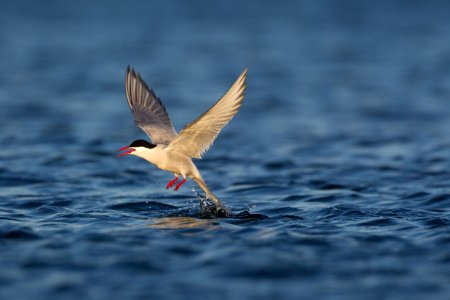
[208,193]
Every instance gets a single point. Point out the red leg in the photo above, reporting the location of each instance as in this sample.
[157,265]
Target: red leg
[180,184]
[171,183]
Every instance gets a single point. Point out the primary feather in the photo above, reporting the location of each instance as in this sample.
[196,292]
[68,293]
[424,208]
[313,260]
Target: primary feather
[198,136]
[149,113]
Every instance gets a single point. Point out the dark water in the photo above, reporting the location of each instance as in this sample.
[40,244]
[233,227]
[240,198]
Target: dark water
[337,167]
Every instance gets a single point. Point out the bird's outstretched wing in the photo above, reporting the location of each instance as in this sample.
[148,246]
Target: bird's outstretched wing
[149,113]
[196,137]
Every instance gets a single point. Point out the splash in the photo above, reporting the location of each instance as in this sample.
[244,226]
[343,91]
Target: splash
[208,208]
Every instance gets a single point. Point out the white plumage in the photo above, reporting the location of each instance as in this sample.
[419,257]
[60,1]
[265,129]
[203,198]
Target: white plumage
[171,151]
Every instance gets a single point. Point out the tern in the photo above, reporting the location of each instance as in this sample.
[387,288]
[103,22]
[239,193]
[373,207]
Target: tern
[174,152]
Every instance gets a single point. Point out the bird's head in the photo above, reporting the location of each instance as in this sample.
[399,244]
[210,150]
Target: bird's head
[138,148]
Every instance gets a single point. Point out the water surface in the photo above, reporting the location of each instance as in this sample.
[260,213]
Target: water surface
[336,168]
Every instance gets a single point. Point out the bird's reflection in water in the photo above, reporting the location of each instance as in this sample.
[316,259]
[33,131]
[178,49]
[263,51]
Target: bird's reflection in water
[184,223]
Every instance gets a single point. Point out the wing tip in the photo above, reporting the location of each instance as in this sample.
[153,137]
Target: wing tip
[243,75]
[131,74]
[241,82]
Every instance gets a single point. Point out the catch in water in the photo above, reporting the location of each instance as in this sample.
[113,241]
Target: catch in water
[168,150]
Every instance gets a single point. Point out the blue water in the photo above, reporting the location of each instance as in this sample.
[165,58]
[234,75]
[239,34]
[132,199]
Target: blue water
[336,169]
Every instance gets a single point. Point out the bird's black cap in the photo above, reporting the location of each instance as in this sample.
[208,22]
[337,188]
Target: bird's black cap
[142,143]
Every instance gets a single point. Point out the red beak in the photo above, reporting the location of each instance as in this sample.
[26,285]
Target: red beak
[127,150]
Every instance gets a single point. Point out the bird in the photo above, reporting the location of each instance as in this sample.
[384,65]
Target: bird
[171,151]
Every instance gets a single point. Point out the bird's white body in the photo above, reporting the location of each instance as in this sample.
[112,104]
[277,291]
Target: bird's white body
[170,161]
[171,151]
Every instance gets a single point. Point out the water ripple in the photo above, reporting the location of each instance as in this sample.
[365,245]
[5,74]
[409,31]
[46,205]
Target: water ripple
[336,169]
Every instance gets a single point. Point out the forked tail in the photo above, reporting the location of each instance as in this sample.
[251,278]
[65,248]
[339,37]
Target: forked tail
[208,193]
